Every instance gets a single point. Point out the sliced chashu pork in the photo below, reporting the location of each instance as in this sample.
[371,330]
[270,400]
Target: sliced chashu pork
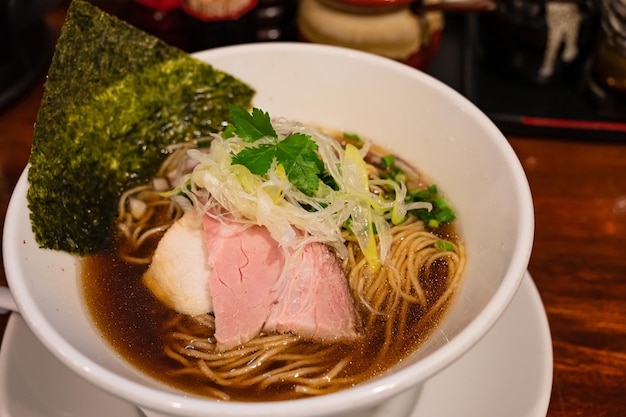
[246,263]
[315,300]
[237,278]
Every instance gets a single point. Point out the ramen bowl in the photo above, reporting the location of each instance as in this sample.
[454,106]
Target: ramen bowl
[400,109]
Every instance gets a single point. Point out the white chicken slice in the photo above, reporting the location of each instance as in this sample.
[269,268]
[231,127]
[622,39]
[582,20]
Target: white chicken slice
[179,273]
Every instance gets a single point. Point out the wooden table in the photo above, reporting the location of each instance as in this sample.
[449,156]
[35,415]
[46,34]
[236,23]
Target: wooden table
[578,261]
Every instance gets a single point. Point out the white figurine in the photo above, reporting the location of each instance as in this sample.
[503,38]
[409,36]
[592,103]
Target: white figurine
[563,19]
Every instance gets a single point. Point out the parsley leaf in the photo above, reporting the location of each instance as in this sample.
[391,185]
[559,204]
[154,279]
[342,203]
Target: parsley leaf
[257,159]
[297,152]
[251,126]
[298,155]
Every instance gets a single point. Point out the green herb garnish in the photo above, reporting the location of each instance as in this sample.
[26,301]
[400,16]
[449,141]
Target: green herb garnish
[443,246]
[441,212]
[353,137]
[387,161]
[296,153]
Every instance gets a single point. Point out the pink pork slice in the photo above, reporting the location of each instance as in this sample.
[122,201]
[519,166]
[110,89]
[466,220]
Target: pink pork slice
[246,264]
[313,300]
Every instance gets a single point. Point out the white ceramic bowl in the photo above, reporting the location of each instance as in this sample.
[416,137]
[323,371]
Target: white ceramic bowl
[397,106]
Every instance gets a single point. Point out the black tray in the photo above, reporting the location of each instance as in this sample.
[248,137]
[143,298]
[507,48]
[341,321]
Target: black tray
[561,108]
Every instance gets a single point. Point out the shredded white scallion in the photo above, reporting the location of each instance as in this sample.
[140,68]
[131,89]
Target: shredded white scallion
[293,218]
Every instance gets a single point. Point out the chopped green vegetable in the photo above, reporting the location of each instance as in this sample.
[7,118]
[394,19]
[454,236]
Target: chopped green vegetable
[441,213]
[443,246]
[387,161]
[297,152]
[115,99]
[353,137]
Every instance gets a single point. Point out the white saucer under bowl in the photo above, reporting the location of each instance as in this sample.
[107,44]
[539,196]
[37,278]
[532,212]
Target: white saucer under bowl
[508,373]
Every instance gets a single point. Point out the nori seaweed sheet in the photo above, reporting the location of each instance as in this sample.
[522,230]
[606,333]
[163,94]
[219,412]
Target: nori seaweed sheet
[114,99]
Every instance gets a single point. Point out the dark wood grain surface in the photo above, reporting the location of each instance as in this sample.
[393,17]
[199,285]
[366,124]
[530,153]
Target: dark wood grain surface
[578,261]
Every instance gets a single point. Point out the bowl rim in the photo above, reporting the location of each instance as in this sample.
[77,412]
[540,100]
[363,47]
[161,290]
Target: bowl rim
[366,393]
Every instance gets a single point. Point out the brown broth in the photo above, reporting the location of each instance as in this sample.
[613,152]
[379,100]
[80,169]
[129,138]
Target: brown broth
[130,319]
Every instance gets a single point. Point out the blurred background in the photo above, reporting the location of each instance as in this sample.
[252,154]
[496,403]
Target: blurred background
[547,68]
